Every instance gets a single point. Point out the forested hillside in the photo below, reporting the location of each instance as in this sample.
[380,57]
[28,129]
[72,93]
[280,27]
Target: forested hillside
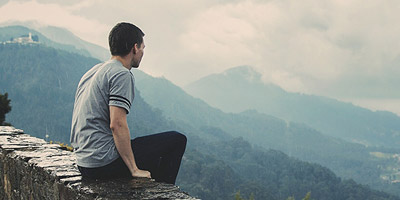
[41,83]
[270,174]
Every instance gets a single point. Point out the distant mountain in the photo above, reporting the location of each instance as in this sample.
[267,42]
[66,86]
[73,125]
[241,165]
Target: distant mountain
[346,159]
[41,83]
[55,37]
[64,36]
[241,88]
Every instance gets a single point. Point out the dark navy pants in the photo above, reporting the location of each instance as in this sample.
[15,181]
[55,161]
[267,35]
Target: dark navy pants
[161,154]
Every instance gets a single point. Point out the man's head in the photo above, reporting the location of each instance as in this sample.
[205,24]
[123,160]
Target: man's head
[123,39]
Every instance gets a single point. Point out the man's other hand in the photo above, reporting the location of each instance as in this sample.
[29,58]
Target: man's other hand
[141,173]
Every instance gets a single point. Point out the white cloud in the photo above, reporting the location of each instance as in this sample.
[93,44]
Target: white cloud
[308,46]
[55,15]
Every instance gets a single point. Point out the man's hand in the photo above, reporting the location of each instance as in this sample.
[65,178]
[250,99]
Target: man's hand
[141,173]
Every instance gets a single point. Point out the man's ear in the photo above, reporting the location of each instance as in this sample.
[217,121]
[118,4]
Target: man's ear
[135,48]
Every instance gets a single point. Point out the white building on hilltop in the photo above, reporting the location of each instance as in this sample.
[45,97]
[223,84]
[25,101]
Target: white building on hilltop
[25,39]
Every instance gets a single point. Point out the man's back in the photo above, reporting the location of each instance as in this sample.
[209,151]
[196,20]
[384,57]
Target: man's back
[106,84]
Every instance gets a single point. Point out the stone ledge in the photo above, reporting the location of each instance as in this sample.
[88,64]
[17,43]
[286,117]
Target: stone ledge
[30,168]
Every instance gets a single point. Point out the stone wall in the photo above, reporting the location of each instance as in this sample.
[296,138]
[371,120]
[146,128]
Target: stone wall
[31,168]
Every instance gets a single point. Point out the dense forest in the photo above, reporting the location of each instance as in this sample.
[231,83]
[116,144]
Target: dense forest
[41,82]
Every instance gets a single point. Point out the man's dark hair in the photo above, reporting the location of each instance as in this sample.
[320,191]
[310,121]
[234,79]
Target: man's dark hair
[123,37]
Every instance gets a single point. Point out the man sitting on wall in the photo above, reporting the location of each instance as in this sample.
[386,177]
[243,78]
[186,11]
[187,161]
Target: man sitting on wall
[99,132]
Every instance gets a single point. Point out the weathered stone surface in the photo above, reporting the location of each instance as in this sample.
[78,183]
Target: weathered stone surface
[30,168]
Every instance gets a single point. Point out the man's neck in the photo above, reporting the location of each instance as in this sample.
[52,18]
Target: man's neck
[126,62]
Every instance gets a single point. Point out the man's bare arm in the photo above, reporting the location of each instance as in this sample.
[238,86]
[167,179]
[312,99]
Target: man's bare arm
[120,130]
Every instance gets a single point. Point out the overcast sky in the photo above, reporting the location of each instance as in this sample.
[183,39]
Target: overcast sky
[344,49]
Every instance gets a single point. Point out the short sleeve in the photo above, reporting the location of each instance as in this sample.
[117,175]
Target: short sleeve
[122,90]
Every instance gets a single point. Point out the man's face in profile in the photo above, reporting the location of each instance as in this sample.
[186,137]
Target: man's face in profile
[137,57]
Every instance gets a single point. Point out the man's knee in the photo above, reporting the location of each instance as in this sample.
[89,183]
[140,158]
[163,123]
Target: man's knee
[179,137]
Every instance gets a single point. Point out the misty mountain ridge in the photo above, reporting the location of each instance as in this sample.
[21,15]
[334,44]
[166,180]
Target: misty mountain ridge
[245,72]
[241,88]
[64,36]
[243,78]
[247,75]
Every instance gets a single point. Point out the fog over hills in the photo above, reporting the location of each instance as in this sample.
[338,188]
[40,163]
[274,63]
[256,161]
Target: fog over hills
[241,88]
[64,36]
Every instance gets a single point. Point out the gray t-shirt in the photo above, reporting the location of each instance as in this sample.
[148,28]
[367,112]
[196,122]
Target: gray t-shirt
[106,84]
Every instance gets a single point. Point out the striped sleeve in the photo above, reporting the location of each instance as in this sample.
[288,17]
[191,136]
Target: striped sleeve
[122,90]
